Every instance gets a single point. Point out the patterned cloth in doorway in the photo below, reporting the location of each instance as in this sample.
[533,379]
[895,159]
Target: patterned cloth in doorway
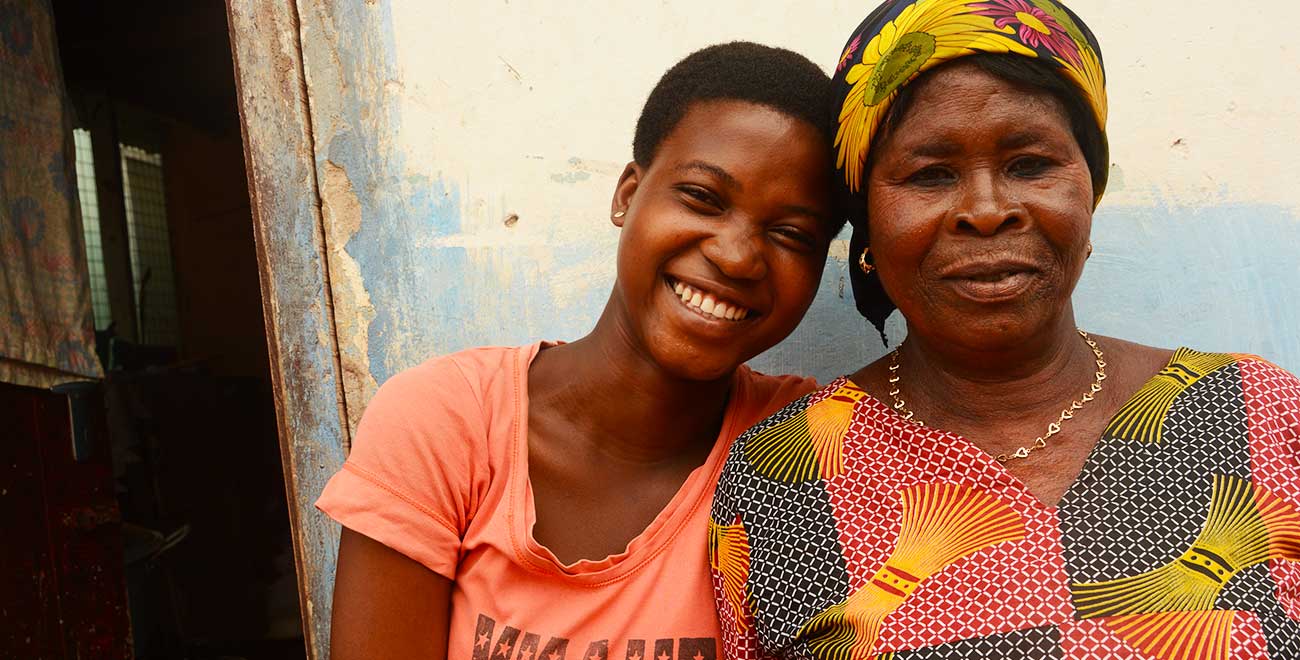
[47,333]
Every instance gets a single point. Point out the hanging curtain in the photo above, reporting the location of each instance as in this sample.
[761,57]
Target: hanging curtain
[46,326]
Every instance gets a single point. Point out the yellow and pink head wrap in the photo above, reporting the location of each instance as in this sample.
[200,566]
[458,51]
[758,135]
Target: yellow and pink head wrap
[900,41]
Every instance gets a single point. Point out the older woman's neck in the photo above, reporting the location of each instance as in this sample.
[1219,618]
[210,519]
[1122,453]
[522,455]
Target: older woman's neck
[973,381]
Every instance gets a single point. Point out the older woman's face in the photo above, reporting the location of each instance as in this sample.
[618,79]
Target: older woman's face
[980,205]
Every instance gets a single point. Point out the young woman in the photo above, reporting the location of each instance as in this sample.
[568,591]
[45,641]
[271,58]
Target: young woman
[550,501]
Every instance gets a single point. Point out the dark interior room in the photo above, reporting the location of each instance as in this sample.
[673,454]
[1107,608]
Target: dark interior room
[155,526]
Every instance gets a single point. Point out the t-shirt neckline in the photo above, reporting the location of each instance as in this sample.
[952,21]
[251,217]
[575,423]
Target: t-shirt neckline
[695,491]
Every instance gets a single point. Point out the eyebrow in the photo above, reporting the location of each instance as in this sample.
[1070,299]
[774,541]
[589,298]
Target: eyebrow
[730,181]
[806,211]
[1020,139]
[946,148]
[935,149]
[723,175]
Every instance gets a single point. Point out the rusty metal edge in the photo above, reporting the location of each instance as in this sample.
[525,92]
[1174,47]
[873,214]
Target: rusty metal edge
[279,157]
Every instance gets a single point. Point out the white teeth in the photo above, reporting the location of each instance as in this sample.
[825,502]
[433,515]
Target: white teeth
[709,305]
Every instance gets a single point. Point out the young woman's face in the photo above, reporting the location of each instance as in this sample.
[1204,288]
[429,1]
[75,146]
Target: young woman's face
[724,237]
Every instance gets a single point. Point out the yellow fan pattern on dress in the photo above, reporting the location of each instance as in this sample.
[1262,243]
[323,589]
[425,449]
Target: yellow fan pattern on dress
[809,444]
[729,556]
[926,33]
[1246,525]
[941,524]
[1204,635]
[1142,419]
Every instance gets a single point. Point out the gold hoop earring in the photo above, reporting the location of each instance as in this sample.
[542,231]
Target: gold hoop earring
[867,268]
[619,214]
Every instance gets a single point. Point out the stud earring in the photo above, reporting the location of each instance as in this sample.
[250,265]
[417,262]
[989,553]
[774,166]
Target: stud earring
[867,268]
[619,214]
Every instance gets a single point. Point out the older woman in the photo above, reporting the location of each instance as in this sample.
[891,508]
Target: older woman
[1067,495]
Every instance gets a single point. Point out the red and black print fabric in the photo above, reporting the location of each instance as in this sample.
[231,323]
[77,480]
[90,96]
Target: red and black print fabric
[840,531]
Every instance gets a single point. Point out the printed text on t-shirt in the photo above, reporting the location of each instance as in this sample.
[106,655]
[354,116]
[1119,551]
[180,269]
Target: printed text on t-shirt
[515,644]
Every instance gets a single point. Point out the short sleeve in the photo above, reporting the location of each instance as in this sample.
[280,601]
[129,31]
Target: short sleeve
[416,467]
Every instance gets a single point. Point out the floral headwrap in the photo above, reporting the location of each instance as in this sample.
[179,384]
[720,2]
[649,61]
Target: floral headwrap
[900,40]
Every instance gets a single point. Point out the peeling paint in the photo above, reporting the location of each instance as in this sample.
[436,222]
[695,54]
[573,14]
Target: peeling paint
[570,177]
[606,168]
[353,311]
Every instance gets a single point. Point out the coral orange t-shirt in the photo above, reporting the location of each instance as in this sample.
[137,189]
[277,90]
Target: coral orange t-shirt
[439,472]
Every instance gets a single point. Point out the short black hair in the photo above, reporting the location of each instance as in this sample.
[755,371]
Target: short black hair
[738,71]
[1026,72]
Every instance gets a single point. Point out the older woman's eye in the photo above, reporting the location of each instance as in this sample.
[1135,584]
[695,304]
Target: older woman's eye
[1029,166]
[932,176]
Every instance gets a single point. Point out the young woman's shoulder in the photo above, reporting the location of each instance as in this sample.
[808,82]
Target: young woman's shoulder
[422,456]
[764,394]
[472,373]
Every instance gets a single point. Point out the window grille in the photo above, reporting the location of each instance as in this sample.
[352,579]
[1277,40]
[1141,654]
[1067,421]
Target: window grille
[88,194]
[151,260]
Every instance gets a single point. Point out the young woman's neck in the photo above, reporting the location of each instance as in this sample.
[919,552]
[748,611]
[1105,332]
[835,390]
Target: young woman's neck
[625,403]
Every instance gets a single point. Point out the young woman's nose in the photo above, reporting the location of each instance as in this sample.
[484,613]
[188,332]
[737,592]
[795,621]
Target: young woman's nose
[737,252]
[985,207]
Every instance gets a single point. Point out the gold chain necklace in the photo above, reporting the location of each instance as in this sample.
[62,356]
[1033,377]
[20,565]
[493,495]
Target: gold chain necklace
[1052,429]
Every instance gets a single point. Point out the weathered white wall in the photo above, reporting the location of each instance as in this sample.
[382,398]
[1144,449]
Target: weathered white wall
[437,124]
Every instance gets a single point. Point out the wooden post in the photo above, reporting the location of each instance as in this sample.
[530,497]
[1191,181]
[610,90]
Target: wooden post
[276,120]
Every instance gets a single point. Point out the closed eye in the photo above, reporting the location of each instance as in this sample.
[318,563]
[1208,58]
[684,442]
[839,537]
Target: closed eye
[700,199]
[795,237]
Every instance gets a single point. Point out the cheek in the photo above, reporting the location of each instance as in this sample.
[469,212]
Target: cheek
[1066,220]
[901,230]
[796,283]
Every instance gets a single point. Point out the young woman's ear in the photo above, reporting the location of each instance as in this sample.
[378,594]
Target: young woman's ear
[624,192]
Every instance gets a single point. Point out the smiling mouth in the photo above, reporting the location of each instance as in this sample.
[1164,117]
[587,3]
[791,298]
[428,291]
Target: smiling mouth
[707,304]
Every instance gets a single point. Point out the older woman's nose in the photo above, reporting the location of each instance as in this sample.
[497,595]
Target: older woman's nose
[985,208]
[737,253]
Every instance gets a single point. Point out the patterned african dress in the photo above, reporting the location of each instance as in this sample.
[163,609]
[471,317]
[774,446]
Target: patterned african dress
[840,531]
